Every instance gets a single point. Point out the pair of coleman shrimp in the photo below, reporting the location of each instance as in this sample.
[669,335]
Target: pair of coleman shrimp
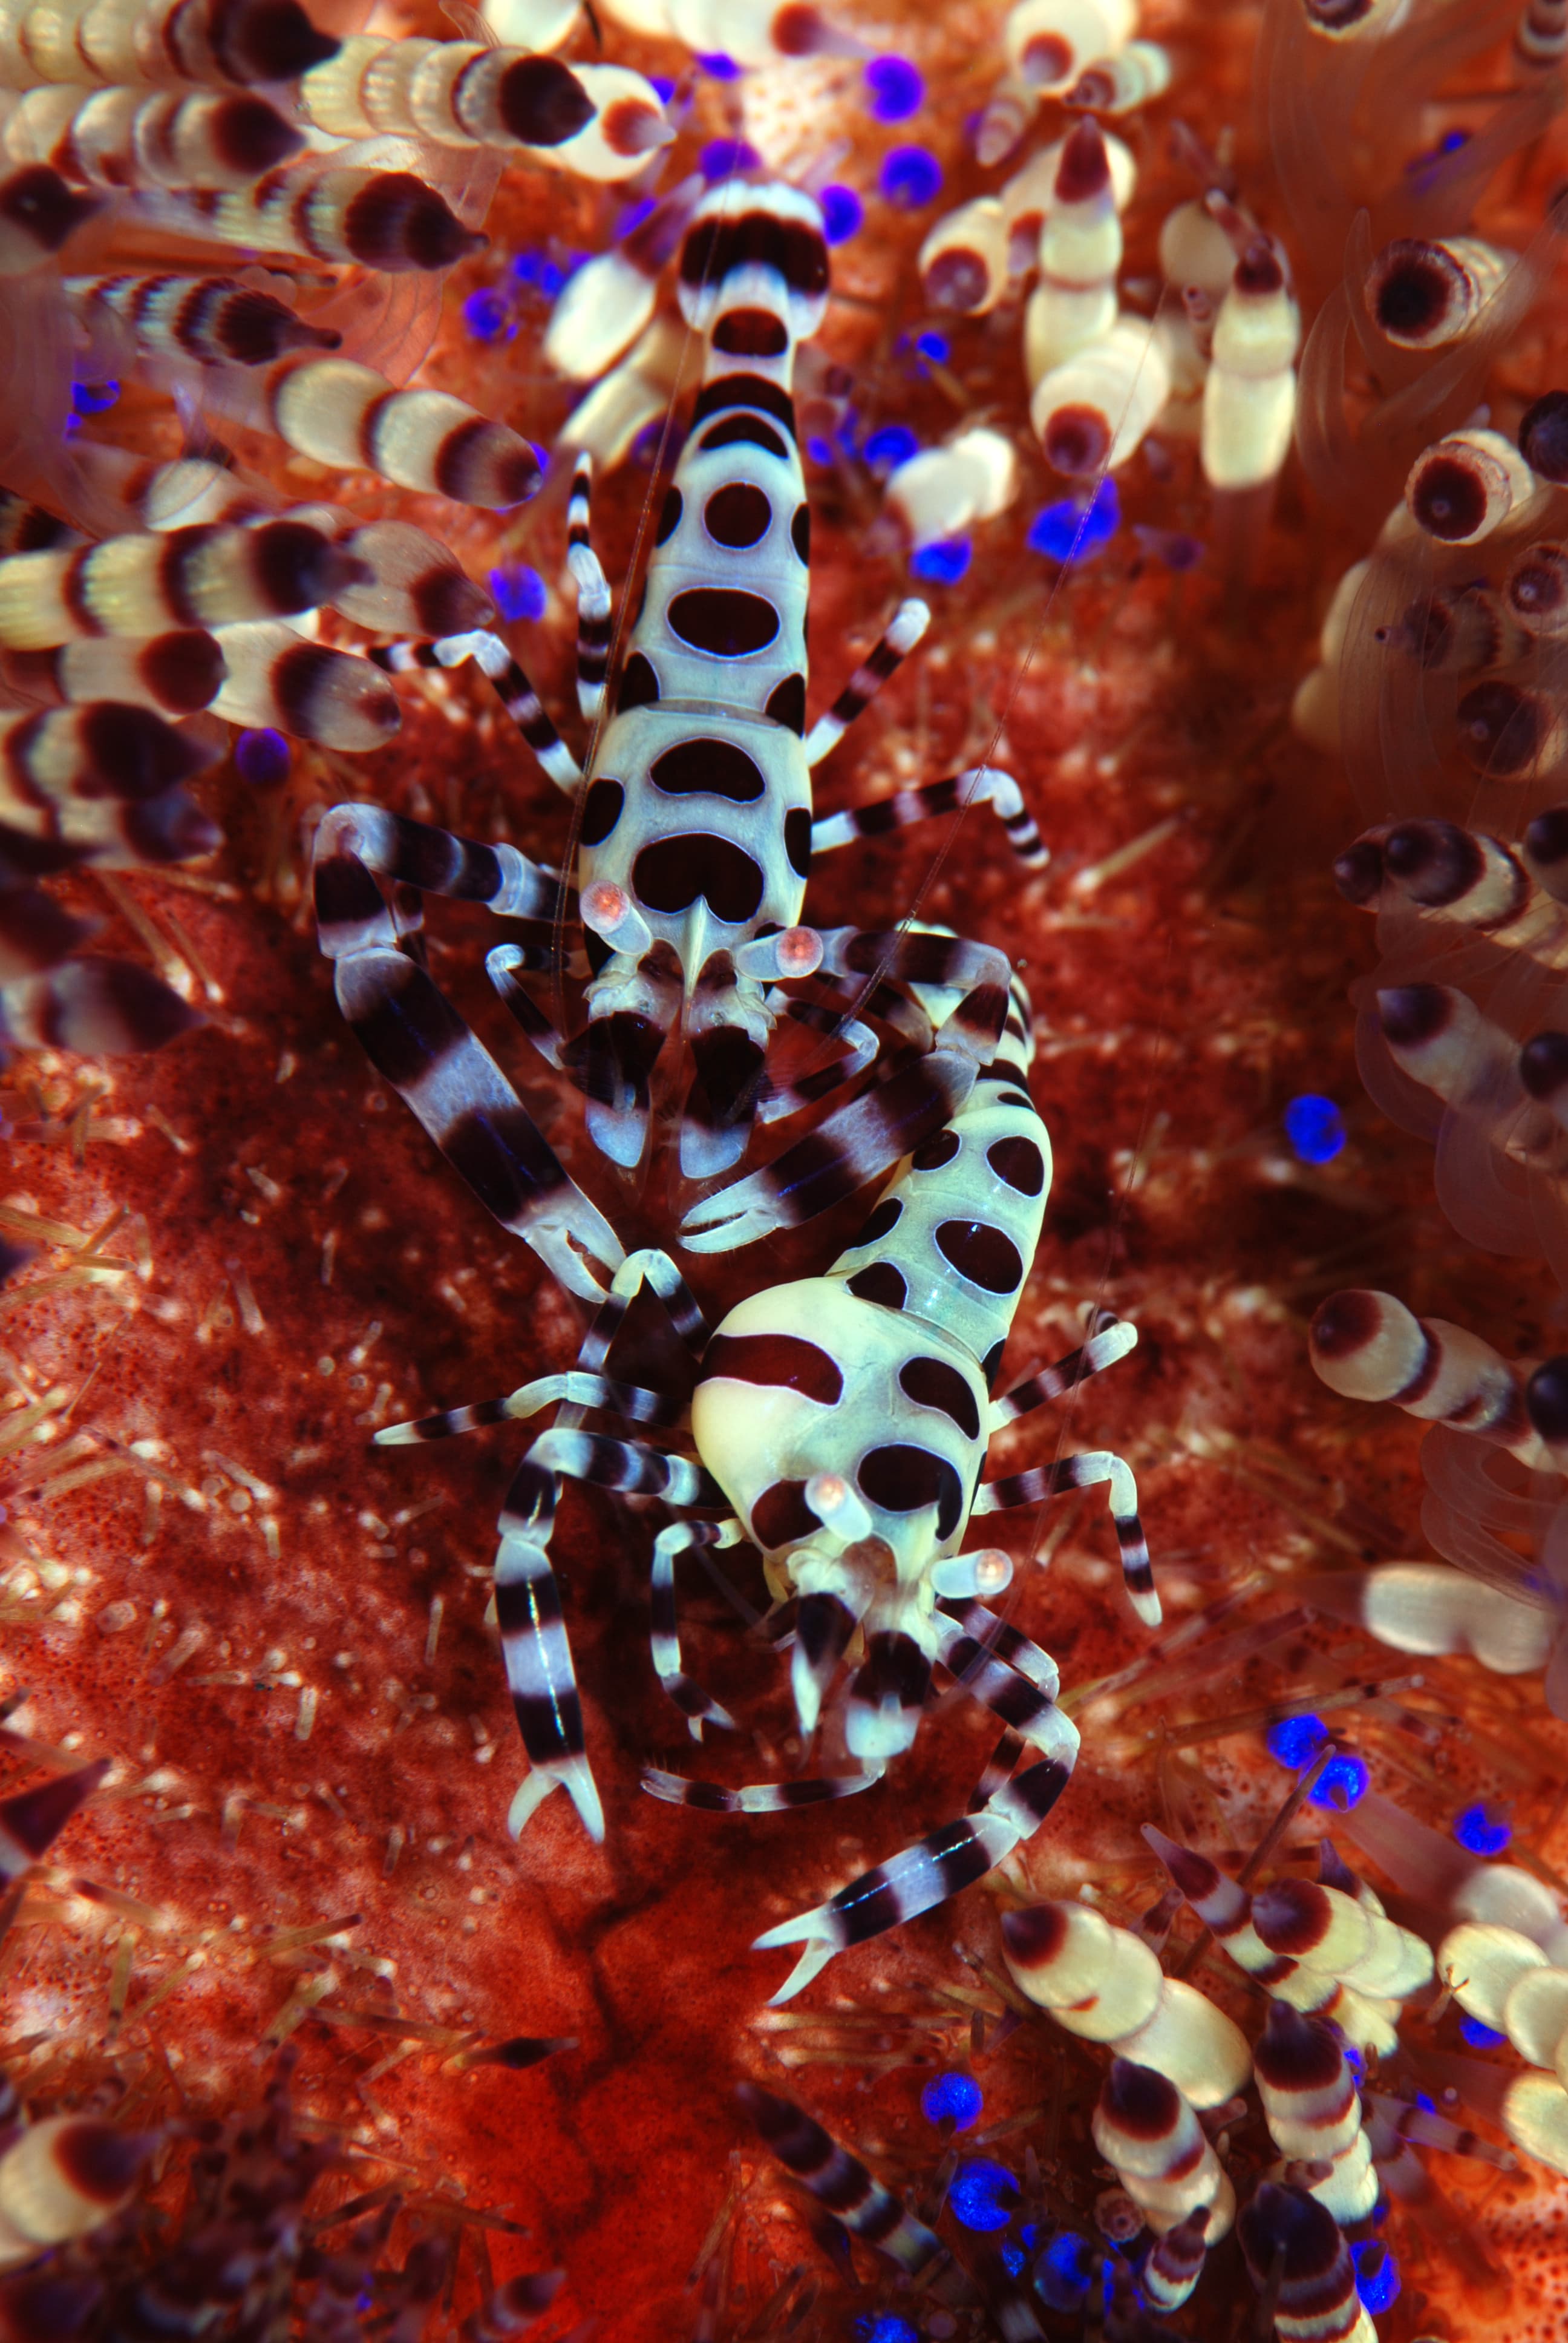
[839,1422]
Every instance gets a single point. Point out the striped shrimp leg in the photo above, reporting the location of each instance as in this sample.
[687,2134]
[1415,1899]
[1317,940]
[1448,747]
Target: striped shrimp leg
[94,1006]
[894,976]
[939,1866]
[1113,1339]
[515,693]
[533,1641]
[754,1797]
[981,785]
[881,663]
[536,1648]
[888,1120]
[424,1048]
[593,593]
[535,1653]
[840,2181]
[1093,1468]
[1031,1713]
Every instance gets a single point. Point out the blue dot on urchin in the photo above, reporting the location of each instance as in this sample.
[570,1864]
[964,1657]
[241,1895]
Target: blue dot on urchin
[1075,528]
[1481,1830]
[895,88]
[983,2196]
[95,398]
[892,445]
[943,563]
[1295,1741]
[722,157]
[952,2098]
[1377,2275]
[718,66]
[1478,2034]
[1065,2271]
[486,314]
[911,176]
[843,213]
[1342,1785]
[519,592]
[263,758]
[1314,1127]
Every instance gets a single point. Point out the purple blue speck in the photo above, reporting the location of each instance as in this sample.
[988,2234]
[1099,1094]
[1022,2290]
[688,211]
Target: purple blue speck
[1314,1127]
[1481,1831]
[942,563]
[486,315]
[983,2196]
[519,592]
[262,758]
[911,176]
[1342,1785]
[892,445]
[896,88]
[1295,1741]
[1377,2275]
[843,214]
[1073,530]
[1065,2271]
[952,2098]
[722,157]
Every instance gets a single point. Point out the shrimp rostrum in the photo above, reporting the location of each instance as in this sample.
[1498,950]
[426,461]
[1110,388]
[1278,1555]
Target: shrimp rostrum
[840,1424]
